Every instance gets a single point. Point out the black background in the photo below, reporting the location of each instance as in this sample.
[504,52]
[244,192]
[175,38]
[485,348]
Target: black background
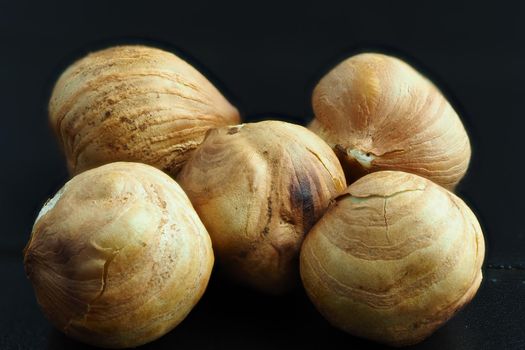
[266,59]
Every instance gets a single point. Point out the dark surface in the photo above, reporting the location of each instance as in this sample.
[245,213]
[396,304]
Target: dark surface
[267,60]
[229,317]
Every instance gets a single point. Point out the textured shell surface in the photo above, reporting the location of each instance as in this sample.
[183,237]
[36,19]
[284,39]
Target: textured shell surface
[393,259]
[134,103]
[258,188]
[379,113]
[118,257]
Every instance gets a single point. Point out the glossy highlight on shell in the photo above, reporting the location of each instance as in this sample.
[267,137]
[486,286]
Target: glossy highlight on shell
[118,257]
[259,188]
[393,259]
[378,113]
[134,103]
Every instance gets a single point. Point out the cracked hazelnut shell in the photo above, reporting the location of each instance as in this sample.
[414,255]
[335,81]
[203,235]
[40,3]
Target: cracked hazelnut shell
[118,257]
[379,113]
[393,258]
[258,188]
[137,104]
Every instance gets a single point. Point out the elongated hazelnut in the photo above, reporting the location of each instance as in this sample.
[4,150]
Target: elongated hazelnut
[118,257]
[393,259]
[259,188]
[134,103]
[378,113]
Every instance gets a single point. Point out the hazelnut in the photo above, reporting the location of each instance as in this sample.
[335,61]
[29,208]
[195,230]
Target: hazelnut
[118,257]
[134,103]
[259,188]
[393,258]
[378,113]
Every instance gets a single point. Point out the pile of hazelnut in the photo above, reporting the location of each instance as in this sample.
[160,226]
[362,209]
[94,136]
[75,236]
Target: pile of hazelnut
[163,172]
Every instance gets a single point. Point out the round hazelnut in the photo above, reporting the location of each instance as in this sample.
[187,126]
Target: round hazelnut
[393,258]
[118,257]
[378,113]
[259,187]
